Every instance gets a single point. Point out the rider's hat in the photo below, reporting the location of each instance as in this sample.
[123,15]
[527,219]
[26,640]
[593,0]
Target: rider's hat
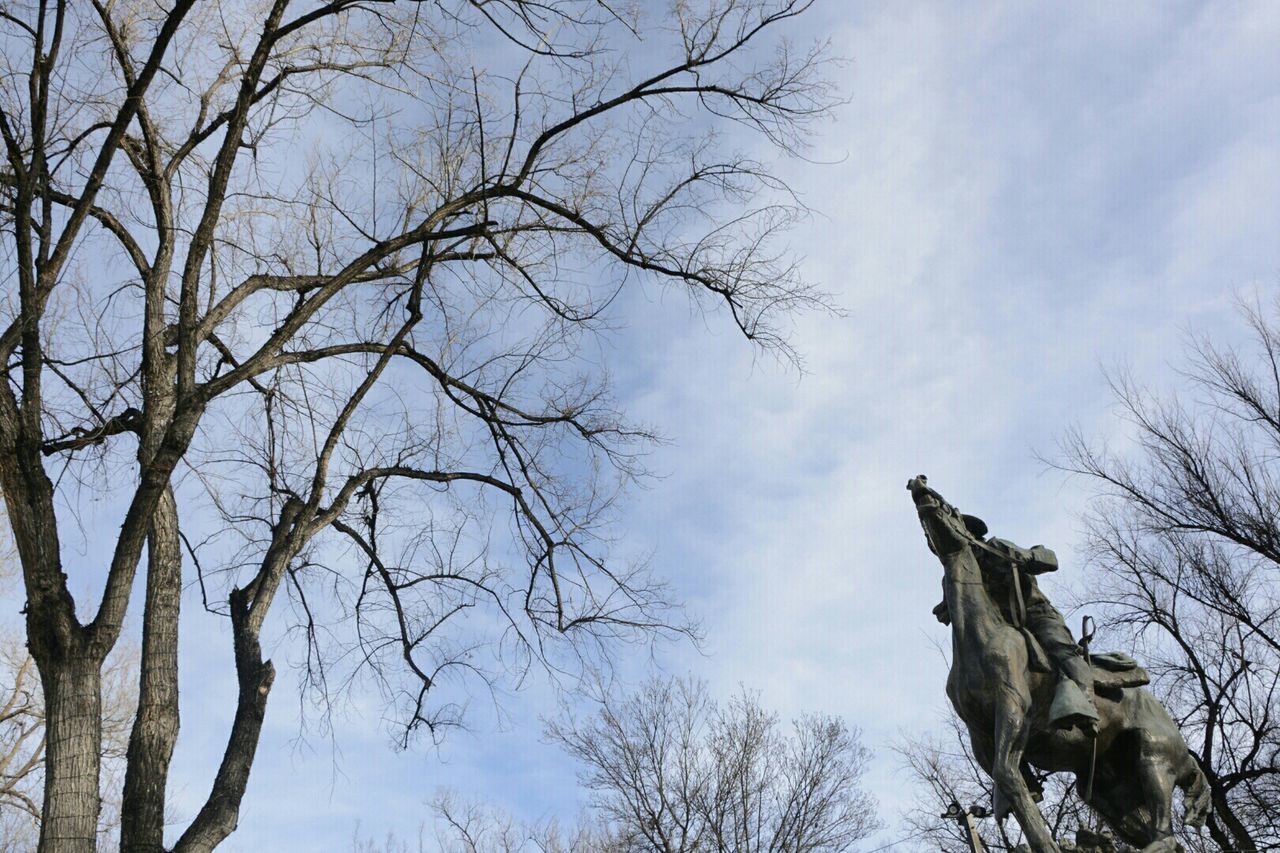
[976,526]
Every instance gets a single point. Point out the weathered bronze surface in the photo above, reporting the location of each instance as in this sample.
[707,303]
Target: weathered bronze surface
[1027,696]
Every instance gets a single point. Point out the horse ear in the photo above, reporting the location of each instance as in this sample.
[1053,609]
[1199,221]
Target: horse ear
[976,526]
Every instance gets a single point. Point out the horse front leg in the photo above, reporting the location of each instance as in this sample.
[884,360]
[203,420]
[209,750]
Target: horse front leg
[983,747]
[1011,732]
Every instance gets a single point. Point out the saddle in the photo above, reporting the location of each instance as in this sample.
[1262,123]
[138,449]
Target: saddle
[1112,671]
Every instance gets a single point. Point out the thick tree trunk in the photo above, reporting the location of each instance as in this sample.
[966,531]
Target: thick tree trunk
[70,665]
[155,728]
[73,709]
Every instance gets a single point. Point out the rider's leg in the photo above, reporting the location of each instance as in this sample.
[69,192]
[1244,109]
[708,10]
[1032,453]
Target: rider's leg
[1071,707]
[1075,668]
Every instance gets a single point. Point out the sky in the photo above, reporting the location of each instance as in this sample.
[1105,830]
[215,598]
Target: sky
[1014,197]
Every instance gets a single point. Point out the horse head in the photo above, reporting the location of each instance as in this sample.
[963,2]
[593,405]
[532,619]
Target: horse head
[945,528]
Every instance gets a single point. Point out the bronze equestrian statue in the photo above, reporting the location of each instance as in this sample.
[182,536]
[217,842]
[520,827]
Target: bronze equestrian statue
[1093,720]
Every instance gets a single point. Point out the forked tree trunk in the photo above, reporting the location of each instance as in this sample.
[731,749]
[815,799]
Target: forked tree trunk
[155,726]
[73,722]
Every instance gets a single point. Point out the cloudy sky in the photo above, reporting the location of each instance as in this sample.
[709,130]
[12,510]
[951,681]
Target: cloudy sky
[1014,197]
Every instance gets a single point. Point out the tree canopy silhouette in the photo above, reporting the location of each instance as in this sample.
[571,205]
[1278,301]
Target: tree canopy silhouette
[302,296]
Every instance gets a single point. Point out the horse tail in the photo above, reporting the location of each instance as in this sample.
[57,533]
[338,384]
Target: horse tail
[1196,798]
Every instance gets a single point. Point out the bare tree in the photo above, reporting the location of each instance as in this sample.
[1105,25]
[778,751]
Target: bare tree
[1185,545]
[673,771]
[470,827]
[21,750]
[307,295]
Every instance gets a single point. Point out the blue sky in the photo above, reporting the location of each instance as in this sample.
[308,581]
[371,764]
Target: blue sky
[1014,196]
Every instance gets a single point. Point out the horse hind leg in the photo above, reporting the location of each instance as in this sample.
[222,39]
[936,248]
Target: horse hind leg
[1156,777]
[1114,811]
[1196,797]
[1011,732]
[1122,792]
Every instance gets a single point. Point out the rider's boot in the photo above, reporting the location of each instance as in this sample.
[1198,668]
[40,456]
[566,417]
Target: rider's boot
[1073,699]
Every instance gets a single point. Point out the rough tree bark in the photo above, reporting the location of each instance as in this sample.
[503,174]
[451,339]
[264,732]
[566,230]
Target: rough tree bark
[155,728]
[73,705]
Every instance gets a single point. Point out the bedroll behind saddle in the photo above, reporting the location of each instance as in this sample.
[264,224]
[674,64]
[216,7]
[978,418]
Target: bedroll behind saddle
[1113,671]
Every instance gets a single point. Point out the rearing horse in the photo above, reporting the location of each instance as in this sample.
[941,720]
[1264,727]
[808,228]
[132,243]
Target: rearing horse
[1004,703]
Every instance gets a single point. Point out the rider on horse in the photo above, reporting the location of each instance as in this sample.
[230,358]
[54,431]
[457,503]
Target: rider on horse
[1008,572]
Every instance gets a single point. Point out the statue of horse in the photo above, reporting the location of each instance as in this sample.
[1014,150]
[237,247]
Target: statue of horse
[1139,755]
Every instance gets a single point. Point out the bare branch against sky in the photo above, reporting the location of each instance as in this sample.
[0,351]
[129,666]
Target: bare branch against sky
[309,299]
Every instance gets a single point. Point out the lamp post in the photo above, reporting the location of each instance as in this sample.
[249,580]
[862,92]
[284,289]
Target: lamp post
[966,817]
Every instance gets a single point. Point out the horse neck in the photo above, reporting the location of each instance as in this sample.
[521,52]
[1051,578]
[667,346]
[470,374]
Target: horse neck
[975,619]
